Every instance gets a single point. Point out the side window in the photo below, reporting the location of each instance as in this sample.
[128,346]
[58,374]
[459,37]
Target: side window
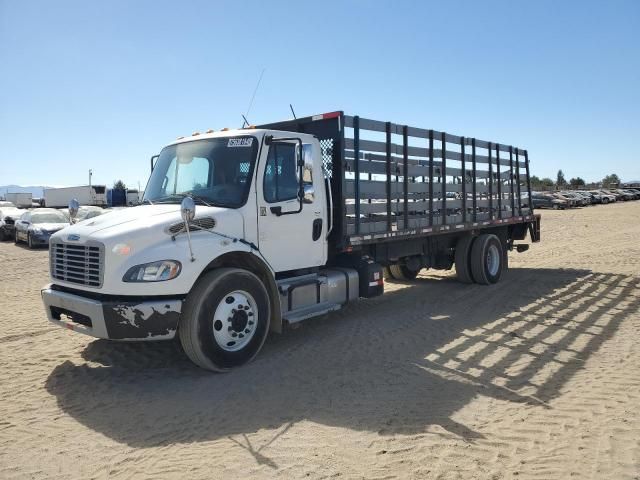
[280,176]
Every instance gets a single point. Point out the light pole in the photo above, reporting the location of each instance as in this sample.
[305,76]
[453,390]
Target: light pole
[90,173]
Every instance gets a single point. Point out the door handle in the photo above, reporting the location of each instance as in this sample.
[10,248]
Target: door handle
[317,229]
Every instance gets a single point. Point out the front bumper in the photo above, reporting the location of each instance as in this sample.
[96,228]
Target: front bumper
[156,319]
[41,238]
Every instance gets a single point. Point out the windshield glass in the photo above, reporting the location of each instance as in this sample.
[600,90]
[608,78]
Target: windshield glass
[48,217]
[216,171]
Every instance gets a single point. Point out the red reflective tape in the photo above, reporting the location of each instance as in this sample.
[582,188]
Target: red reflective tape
[330,115]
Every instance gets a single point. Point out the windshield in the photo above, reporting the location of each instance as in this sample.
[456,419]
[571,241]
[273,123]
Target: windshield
[216,171]
[49,217]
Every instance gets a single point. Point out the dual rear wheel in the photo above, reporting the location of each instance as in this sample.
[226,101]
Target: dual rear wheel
[480,259]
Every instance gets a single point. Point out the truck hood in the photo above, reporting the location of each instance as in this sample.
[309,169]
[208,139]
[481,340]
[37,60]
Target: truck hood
[136,223]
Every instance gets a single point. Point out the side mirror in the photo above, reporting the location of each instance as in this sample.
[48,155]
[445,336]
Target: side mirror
[153,161]
[74,206]
[187,209]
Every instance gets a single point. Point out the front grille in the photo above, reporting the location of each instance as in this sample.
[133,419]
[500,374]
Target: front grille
[81,264]
[9,221]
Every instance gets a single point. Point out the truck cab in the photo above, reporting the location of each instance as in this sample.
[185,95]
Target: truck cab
[260,206]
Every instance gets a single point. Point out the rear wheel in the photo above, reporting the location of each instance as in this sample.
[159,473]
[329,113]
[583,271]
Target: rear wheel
[463,259]
[487,259]
[225,320]
[402,272]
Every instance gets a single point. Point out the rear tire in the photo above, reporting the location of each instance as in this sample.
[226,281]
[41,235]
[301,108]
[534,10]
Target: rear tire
[402,272]
[463,259]
[242,304]
[487,259]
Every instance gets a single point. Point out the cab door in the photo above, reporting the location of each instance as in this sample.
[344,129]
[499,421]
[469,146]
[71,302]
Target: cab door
[291,233]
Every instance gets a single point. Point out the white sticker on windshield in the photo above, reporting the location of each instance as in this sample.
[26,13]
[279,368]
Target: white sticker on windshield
[240,142]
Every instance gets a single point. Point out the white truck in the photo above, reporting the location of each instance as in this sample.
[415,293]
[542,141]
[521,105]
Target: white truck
[20,199]
[87,195]
[244,231]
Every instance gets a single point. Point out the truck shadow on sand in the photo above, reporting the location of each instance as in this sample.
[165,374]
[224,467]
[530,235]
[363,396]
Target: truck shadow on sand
[397,364]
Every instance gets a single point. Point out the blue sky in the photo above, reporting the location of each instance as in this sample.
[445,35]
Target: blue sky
[104,85]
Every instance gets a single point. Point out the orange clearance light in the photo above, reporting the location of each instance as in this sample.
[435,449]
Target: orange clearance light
[179,138]
[194,134]
[225,129]
[211,130]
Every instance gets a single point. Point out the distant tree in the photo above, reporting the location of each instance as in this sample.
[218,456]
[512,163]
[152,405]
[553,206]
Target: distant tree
[547,182]
[560,180]
[119,185]
[612,179]
[577,182]
[535,180]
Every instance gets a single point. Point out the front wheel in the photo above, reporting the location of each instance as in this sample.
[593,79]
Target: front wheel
[29,241]
[487,259]
[225,319]
[15,237]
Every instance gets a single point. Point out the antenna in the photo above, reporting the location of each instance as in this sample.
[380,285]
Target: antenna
[252,98]
[294,113]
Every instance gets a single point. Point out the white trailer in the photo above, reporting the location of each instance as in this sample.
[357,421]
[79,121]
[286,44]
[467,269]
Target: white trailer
[86,195]
[133,197]
[20,200]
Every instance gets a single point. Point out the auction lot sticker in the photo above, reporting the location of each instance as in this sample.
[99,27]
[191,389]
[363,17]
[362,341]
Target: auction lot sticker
[240,142]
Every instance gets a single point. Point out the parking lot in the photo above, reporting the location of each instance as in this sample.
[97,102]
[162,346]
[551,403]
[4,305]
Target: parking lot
[535,377]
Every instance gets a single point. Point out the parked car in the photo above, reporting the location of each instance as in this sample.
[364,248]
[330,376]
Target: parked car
[625,195]
[36,226]
[546,200]
[580,200]
[573,202]
[584,195]
[618,196]
[604,198]
[631,191]
[5,204]
[8,217]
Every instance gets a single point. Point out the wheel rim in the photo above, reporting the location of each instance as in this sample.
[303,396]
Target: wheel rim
[493,260]
[235,320]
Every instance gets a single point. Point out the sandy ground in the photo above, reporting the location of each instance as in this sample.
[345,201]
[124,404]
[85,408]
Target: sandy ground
[537,377]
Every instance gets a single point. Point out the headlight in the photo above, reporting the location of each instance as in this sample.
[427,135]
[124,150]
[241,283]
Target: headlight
[153,272]
[37,230]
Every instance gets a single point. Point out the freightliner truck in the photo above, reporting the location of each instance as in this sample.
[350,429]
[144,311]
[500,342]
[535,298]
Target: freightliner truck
[245,231]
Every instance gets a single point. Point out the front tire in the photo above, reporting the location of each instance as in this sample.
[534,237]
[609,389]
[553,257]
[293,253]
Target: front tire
[487,259]
[15,237]
[225,320]
[29,241]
